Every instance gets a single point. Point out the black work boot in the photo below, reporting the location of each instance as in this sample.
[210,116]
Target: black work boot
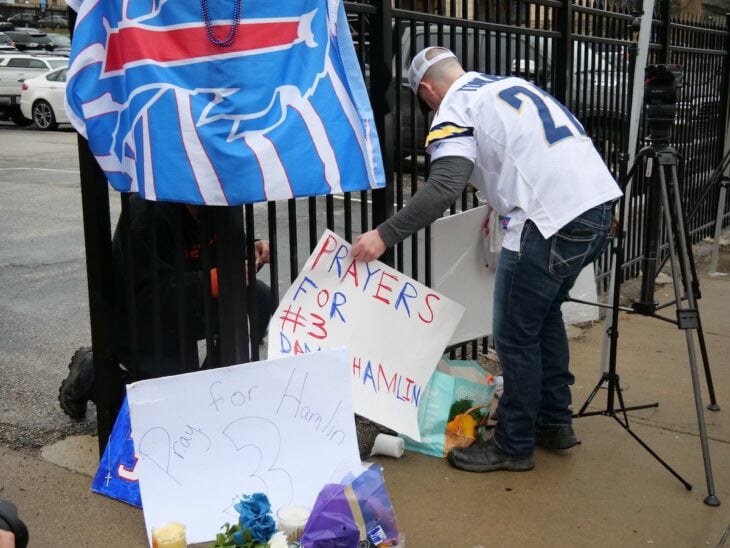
[557,437]
[485,456]
[78,387]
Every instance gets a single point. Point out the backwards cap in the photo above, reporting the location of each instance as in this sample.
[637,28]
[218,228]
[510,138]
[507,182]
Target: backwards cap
[421,64]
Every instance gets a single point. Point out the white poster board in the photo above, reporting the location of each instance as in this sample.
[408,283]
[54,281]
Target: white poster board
[281,427]
[395,329]
[459,271]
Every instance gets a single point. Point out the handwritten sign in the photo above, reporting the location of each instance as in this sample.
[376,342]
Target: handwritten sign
[395,328]
[282,427]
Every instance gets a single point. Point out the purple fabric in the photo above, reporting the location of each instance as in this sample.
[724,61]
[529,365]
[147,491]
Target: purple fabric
[332,524]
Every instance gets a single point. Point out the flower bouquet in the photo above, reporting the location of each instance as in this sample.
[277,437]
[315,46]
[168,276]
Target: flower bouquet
[256,527]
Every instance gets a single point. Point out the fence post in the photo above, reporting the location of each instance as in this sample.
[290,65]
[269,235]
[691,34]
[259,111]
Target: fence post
[562,83]
[664,35]
[100,276]
[381,85]
[232,317]
[724,144]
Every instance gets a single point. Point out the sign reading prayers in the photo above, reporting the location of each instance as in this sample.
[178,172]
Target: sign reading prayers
[395,328]
[281,427]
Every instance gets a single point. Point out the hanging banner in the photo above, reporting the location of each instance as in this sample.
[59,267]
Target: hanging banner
[395,329]
[222,103]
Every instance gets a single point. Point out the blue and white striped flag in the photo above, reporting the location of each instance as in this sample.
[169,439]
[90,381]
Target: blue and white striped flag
[281,112]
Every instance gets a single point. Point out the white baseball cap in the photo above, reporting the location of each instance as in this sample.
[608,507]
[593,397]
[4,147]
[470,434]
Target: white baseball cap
[420,65]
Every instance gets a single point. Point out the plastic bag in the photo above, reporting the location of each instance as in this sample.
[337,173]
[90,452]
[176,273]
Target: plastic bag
[453,380]
[350,515]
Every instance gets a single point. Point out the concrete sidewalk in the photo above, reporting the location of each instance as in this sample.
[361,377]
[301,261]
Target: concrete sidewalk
[609,491]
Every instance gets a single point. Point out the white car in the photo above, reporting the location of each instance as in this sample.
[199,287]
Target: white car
[15,67]
[42,99]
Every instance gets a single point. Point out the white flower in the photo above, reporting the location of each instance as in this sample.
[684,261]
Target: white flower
[279,540]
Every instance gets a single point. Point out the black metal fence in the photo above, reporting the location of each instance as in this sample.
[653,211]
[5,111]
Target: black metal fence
[34,13]
[578,51]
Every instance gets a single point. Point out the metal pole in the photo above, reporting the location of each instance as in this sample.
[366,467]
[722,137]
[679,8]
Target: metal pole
[637,95]
[100,275]
[562,58]
[381,86]
[230,247]
[637,79]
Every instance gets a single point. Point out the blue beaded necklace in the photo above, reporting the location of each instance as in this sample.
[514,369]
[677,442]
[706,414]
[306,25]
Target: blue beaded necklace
[228,40]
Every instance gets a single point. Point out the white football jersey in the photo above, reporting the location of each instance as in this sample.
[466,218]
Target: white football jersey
[532,158]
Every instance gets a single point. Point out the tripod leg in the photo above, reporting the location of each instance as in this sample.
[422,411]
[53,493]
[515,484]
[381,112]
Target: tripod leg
[589,399]
[694,284]
[686,316]
[712,406]
[625,424]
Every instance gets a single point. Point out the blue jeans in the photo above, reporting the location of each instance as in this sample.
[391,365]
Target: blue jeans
[529,333]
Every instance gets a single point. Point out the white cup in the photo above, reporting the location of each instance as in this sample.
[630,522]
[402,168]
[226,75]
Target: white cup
[390,446]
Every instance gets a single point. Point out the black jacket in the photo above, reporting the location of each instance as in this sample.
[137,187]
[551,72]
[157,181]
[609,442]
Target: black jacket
[155,256]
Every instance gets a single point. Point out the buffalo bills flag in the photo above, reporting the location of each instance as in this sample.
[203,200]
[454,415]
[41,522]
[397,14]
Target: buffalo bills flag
[222,102]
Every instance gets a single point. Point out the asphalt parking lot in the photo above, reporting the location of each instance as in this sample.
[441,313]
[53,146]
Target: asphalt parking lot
[43,301]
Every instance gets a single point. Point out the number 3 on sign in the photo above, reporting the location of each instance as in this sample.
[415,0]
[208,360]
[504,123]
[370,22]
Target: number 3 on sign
[554,133]
[264,438]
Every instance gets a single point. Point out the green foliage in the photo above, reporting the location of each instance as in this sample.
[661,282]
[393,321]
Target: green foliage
[462,406]
[232,533]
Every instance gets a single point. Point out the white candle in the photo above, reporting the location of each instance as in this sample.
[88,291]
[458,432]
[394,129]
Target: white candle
[291,520]
[171,535]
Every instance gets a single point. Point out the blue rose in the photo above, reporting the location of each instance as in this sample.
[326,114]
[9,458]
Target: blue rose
[251,508]
[255,517]
[263,529]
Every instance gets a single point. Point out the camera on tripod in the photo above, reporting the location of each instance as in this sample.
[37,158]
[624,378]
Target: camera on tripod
[661,85]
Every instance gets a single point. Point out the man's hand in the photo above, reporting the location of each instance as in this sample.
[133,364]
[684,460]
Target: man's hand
[263,256]
[368,247]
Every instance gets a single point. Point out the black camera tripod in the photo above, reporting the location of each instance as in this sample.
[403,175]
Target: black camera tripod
[663,202]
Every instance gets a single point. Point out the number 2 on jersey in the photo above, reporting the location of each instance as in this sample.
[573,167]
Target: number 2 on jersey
[553,132]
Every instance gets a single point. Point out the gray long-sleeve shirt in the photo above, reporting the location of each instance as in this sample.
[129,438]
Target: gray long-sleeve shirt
[446,181]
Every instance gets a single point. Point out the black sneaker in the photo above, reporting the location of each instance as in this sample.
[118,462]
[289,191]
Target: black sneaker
[485,456]
[557,437]
[78,387]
